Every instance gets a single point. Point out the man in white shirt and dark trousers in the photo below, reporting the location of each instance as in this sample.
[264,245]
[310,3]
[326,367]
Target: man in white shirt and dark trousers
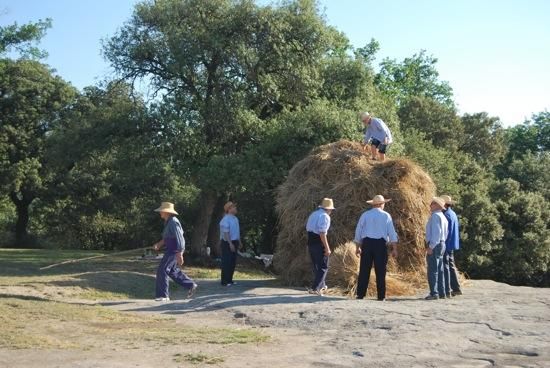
[230,234]
[317,227]
[373,232]
[436,234]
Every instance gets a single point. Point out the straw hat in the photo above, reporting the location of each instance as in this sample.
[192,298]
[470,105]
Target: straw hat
[447,199]
[364,115]
[167,207]
[378,199]
[229,205]
[439,201]
[327,204]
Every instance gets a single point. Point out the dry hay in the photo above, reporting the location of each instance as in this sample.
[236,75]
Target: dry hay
[344,171]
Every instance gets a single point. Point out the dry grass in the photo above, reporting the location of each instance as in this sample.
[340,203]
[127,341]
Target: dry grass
[344,172]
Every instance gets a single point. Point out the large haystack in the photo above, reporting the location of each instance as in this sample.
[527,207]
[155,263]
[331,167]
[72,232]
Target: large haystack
[344,172]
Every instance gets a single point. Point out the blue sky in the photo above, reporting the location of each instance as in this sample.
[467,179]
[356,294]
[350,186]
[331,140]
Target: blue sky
[495,54]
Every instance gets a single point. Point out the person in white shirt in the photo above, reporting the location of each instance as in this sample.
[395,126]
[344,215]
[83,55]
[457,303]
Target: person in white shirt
[373,232]
[230,236]
[377,135]
[317,227]
[436,235]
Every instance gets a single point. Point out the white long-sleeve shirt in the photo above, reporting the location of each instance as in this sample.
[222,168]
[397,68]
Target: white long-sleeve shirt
[376,224]
[436,229]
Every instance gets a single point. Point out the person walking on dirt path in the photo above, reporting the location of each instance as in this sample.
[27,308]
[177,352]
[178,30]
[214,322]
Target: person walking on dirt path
[436,235]
[373,232]
[230,237]
[452,244]
[170,265]
[377,135]
[317,227]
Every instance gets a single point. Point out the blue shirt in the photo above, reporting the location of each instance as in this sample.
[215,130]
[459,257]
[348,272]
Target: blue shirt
[453,236]
[173,235]
[436,229]
[230,224]
[376,224]
[377,129]
[318,222]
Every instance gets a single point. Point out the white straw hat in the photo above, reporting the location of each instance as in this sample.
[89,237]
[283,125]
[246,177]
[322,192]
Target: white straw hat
[447,199]
[327,204]
[439,201]
[378,199]
[167,207]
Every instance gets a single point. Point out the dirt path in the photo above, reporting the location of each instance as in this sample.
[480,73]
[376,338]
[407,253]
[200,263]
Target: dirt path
[492,325]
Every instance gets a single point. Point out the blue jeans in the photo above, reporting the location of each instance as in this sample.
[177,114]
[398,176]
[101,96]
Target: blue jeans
[451,273]
[436,278]
[168,268]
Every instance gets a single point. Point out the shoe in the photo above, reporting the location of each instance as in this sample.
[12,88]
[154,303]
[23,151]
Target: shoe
[324,288]
[231,283]
[360,297]
[162,299]
[319,292]
[381,299]
[432,297]
[310,291]
[455,293]
[448,296]
[192,290]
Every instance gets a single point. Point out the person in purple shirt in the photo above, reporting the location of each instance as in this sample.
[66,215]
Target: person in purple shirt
[169,267]
[452,244]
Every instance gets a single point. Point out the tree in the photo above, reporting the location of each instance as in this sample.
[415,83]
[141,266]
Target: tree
[222,65]
[21,38]
[32,100]
[533,136]
[414,76]
[483,138]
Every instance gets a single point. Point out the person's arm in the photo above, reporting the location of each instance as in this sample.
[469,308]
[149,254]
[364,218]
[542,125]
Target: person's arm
[158,245]
[357,240]
[392,234]
[324,240]
[180,241]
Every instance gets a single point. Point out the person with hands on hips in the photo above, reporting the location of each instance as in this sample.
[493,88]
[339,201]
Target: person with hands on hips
[170,265]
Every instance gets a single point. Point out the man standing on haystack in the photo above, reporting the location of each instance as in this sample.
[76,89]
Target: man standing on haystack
[452,285]
[317,227]
[377,135]
[230,234]
[436,235]
[374,230]
[169,267]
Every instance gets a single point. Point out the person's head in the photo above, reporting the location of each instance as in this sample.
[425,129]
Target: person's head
[230,208]
[365,118]
[448,201]
[378,201]
[327,204]
[437,204]
[166,210]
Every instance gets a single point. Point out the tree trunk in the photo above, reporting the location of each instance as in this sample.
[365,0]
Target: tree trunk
[213,240]
[22,203]
[207,203]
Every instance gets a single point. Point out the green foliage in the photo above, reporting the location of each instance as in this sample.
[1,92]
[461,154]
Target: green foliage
[415,76]
[525,254]
[533,135]
[21,38]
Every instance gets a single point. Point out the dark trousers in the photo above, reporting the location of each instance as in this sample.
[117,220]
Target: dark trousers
[373,251]
[229,261]
[320,265]
[450,272]
[168,268]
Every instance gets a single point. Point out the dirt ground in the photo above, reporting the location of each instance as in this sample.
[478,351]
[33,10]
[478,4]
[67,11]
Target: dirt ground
[491,325]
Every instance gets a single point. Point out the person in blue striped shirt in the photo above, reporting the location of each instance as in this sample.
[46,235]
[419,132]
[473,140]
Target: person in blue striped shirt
[377,135]
[317,227]
[170,265]
[373,232]
[230,237]
[452,244]
[436,235]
